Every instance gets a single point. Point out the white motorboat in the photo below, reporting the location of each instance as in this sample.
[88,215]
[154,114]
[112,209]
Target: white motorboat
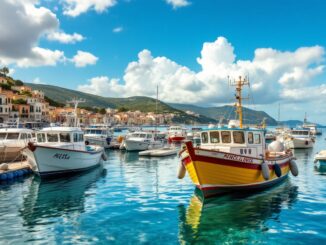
[321,157]
[176,134]
[12,141]
[298,139]
[160,152]
[61,150]
[98,135]
[142,140]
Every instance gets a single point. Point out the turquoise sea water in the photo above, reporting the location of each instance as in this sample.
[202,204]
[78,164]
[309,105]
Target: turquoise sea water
[132,200]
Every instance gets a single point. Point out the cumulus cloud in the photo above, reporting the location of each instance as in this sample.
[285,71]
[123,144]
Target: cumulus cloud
[82,59]
[178,3]
[37,80]
[75,8]
[64,37]
[117,29]
[273,74]
[21,26]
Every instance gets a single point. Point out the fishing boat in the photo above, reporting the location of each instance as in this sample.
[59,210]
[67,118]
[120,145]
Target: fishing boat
[298,139]
[99,134]
[12,141]
[176,134]
[62,150]
[160,152]
[142,140]
[235,159]
[321,157]
[311,126]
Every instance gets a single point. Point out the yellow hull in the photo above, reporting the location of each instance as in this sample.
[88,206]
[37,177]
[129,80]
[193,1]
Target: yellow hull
[215,173]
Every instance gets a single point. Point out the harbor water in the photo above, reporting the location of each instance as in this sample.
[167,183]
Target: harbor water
[134,200]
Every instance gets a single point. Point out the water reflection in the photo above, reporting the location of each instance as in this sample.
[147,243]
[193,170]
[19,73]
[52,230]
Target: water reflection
[229,218]
[47,199]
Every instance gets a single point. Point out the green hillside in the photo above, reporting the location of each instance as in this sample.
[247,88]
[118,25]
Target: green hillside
[144,104]
[228,112]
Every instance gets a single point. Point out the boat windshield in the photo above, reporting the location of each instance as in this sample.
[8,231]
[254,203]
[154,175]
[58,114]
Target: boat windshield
[53,137]
[40,137]
[94,131]
[300,132]
[3,136]
[12,136]
[64,137]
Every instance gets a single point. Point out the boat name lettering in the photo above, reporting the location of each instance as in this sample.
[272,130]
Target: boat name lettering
[61,156]
[238,158]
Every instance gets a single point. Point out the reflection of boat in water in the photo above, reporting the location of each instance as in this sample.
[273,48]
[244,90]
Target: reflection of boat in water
[232,217]
[57,197]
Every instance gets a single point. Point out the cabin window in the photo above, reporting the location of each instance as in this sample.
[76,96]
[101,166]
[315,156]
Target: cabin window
[142,136]
[80,137]
[52,137]
[40,137]
[76,138]
[204,137]
[238,137]
[149,136]
[13,136]
[29,136]
[3,136]
[215,136]
[250,138]
[64,137]
[23,136]
[226,136]
[257,138]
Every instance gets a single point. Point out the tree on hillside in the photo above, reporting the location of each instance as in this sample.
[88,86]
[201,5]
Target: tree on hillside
[19,83]
[4,71]
[102,111]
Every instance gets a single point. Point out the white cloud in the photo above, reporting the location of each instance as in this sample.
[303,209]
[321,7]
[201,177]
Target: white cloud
[76,7]
[22,23]
[37,80]
[64,37]
[82,59]
[178,3]
[117,29]
[273,74]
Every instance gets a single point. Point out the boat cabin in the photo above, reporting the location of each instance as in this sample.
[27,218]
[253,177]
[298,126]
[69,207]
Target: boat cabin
[60,136]
[247,142]
[300,133]
[16,134]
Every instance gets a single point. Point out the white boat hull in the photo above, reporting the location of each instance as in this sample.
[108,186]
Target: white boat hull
[161,152]
[133,145]
[97,141]
[47,161]
[298,143]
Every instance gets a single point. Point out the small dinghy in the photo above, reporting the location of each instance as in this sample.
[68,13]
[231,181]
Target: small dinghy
[321,157]
[160,152]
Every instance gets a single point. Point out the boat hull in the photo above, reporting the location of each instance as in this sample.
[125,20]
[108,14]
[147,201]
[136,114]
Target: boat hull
[176,138]
[214,172]
[50,161]
[104,142]
[298,143]
[133,145]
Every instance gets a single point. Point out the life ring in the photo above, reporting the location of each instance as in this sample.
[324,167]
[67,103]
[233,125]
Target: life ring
[294,168]
[31,146]
[265,170]
[181,171]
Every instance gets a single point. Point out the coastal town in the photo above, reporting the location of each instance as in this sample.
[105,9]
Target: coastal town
[32,107]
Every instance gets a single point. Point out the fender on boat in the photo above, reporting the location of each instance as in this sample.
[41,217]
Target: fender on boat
[265,170]
[181,171]
[104,156]
[294,168]
[31,146]
[277,170]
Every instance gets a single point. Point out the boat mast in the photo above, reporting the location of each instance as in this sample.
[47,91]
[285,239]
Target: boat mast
[75,102]
[239,84]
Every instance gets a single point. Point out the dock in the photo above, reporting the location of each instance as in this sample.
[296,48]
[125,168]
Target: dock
[11,171]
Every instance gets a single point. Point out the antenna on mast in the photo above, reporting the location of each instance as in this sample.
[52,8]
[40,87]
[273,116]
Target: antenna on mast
[75,102]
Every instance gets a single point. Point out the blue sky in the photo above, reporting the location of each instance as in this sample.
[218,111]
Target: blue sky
[172,38]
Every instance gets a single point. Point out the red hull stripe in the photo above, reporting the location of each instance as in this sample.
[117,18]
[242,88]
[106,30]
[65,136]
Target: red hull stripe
[177,138]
